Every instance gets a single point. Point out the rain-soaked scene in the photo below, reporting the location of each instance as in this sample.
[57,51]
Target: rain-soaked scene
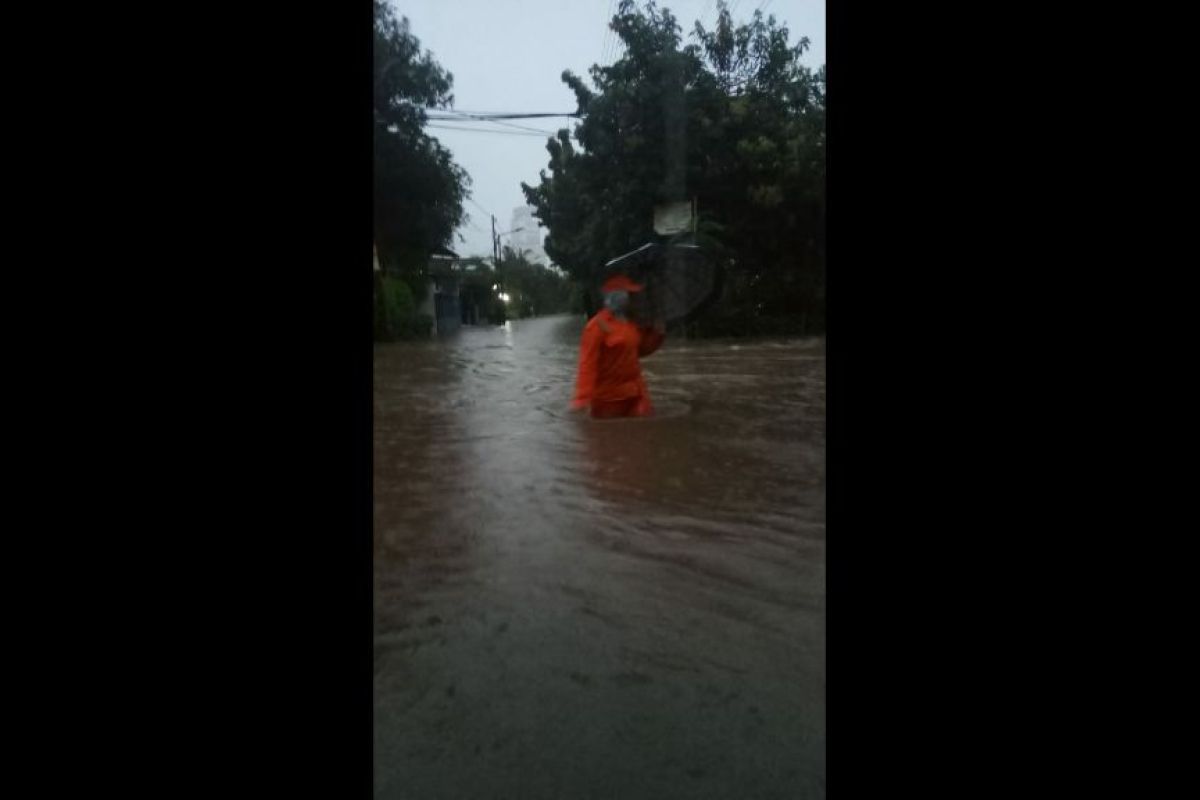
[599,400]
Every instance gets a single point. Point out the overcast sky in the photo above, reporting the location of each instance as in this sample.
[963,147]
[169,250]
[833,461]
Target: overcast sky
[507,55]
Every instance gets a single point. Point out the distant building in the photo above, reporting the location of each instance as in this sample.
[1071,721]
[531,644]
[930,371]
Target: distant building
[529,238]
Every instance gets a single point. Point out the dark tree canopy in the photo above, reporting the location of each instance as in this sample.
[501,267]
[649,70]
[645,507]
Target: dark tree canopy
[419,190]
[732,119]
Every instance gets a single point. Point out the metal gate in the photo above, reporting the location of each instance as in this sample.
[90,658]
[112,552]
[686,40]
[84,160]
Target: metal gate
[446,309]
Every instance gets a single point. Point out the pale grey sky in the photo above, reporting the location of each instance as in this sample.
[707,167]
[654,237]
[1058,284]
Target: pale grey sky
[507,55]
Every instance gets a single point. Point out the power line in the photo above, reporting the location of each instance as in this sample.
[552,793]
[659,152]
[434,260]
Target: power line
[486,213]
[462,114]
[493,122]
[481,208]
[484,130]
[509,114]
[496,114]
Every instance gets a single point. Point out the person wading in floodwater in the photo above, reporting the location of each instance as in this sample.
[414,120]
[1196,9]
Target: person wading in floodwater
[610,375]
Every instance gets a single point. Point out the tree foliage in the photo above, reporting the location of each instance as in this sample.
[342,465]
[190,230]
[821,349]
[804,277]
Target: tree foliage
[419,190]
[396,315]
[732,119]
[533,289]
[476,281]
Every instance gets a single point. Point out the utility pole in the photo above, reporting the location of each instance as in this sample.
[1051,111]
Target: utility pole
[495,243]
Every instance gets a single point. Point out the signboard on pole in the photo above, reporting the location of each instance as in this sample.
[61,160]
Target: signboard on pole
[673,218]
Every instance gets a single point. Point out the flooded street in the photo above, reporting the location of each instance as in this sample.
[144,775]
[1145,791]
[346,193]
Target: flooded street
[567,608]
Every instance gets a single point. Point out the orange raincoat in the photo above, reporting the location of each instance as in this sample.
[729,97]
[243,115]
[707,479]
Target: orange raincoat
[610,376]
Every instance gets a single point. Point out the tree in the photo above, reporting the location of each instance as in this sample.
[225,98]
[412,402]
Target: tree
[477,279]
[733,120]
[419,190]
[532,289]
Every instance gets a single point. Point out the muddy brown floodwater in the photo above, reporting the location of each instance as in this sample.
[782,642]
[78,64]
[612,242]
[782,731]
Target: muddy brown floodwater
[567,608]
